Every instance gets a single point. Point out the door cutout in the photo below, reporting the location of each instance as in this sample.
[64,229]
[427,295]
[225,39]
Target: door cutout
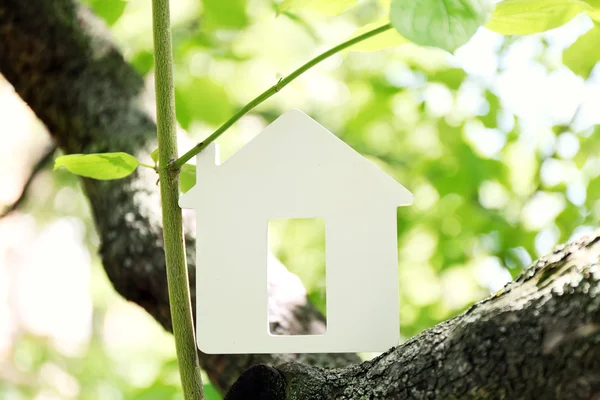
[299,243]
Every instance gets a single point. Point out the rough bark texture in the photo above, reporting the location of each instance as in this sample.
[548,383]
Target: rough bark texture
[60,60]
[538,338]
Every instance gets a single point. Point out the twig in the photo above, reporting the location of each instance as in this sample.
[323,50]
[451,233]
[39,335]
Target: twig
[39,165]
[274,89]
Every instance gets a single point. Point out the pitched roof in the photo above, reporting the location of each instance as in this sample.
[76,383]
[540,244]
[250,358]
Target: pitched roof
[296,144]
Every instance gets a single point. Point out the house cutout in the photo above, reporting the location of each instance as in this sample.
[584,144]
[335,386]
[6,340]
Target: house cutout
[295,168]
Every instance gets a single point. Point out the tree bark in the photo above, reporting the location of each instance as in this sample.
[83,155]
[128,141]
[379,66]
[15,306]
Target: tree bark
[61,61]
[537,338]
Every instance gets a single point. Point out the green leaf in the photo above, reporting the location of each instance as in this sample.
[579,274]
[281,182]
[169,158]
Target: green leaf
[327,7]
[201,99]
[593,10]
[522,17]
[109,10]
[103,166]
[224,14]
[187,177]
[387,39]
[447,24]
[595,4]
[582,56]
[154,155]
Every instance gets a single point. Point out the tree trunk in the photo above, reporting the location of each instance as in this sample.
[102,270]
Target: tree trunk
[536,339]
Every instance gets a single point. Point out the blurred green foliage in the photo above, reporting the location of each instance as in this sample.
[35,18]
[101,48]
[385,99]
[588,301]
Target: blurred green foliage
[109,10]
[300,244]
[218,14]
[522,17]
[582,56]
[494,187]
[329,7]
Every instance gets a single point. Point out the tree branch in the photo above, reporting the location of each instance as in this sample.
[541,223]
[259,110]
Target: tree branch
[274,89]
[43,162]
[60,60]
[538,338]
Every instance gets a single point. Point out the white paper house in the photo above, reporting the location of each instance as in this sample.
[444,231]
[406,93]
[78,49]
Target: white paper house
[295,168]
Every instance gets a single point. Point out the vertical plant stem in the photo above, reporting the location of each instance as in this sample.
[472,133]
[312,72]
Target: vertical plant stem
[174,243]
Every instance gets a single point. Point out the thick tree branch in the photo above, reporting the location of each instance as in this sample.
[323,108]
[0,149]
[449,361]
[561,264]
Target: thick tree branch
[61,61]
[538,338]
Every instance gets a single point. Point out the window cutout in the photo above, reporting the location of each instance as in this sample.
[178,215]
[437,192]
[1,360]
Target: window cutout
[299,243]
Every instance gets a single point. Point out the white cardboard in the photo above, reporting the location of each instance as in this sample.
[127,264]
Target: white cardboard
[295,168]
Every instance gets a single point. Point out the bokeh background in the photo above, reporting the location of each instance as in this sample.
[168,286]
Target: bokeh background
[498,143]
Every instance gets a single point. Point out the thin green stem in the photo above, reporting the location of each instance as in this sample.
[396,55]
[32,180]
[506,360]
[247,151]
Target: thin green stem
[272,90]
[174,243]
[146,165]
